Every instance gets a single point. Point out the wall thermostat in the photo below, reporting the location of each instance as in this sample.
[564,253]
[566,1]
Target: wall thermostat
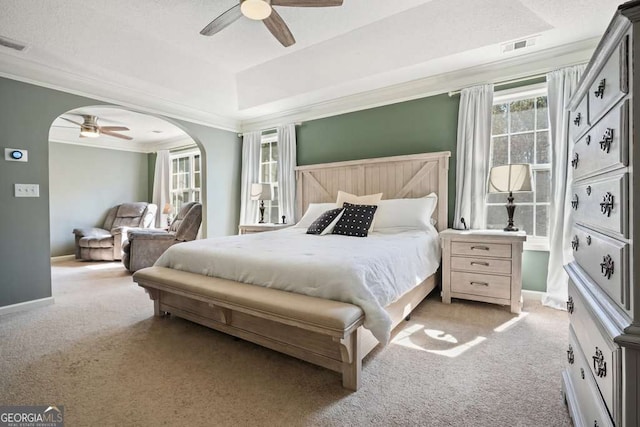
[16,155]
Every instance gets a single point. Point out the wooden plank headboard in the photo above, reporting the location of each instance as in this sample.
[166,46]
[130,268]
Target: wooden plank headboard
[395,177]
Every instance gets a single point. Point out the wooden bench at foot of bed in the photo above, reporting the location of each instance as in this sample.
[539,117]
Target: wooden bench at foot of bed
[323,332]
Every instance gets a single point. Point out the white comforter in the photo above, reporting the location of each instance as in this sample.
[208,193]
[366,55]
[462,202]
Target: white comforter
[369,272]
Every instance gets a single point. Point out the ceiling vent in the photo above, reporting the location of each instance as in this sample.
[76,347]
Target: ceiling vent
[519,44]
[12,44]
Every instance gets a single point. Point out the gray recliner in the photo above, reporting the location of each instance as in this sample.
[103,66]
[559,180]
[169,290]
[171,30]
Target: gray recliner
[144,247]
[105,244]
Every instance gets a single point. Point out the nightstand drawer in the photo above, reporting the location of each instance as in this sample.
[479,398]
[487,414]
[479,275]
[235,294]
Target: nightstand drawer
[481,284]
[481,265]
[499,250]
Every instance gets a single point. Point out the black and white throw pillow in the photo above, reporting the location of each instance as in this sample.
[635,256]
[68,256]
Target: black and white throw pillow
[324,221]
[355,220]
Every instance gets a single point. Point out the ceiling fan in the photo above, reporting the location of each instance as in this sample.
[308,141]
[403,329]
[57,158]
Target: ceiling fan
[262,10]
[90,128]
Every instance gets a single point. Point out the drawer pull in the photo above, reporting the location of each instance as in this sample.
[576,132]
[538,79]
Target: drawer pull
[575,243]
[606,266]
[485,264]
[582,372]
[607,204]
[574,202]
[574,162]
[577,120]
[599,365]
[479,248]
[588,190]
[480,283]
[607,139]
[570,357]
[570,305]
[599,93]
[588,140]
[588,240]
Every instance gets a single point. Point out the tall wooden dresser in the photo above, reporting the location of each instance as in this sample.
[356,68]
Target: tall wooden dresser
[602,379]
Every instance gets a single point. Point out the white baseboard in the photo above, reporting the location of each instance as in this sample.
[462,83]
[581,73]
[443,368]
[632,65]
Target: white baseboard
[533,294]
[62,258]
[27,305]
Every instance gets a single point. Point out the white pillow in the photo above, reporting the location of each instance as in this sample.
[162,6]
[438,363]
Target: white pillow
[313,212]
[369,199]
[406,213]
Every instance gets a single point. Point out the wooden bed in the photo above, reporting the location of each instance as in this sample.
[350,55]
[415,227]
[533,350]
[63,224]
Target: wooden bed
[322,332]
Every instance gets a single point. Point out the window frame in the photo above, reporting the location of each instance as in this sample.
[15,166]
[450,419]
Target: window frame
[533,243]
[269,204]
[191,188]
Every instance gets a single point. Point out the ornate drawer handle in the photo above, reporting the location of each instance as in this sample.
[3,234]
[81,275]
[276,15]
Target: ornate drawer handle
[576,121]
[582,372]
[575,243]
[570,357]
[599,365]
[574,202]
[486,264]
[570,305]
[480,248]
[480,283]
[607,204]
[599,93]
[574,162]
[606,266]
[607,139]
[588,240]
[588,190]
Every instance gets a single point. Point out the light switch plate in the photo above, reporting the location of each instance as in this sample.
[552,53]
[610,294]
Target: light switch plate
[27,190]
[16,155]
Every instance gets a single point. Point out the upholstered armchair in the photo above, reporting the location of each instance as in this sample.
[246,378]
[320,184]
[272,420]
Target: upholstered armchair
[144,247]
[105,244]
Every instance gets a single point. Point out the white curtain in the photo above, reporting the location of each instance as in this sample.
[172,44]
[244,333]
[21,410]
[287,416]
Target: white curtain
[250,174]
[474,142]
[161,189]
[561,85]
[286,172]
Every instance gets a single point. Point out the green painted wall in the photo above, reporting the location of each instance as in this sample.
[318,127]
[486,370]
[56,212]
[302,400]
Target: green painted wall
[417,126]
[26,114]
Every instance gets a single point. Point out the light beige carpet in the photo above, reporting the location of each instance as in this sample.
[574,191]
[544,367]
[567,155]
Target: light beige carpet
[99,352]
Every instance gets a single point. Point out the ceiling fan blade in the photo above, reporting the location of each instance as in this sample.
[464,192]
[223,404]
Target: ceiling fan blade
[279,29]
[115,135]
[113,128]
[71,121]
[222,21]
[307,3]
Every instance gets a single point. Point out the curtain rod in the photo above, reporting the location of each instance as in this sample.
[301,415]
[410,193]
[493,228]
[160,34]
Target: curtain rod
[240,135]
[506,82]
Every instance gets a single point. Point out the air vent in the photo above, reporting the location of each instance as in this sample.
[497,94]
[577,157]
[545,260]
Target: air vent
[518,44]
[12,44]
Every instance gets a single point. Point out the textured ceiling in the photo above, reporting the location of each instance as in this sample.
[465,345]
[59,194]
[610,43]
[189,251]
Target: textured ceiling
[153,47]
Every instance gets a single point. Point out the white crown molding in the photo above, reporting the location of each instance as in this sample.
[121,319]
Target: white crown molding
[512,68]
[27,305]
[33,72]
[134,147]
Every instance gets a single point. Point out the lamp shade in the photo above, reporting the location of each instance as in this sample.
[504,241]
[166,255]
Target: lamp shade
[261,192]
[510,178]
[167,209]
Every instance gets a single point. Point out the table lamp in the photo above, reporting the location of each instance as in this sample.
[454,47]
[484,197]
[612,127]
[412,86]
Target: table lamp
[509,179]
[261,192]
[167,210]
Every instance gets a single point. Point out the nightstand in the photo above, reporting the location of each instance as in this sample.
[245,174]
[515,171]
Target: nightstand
[483,265]
[259,228]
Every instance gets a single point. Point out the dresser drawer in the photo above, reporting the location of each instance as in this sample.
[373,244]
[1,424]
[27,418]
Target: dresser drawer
[591,408]
[481,265]
[600,351]
[485,285]
[602,203]
[611,84]
[499,250]
[579,122]
[605,260]
[605,146]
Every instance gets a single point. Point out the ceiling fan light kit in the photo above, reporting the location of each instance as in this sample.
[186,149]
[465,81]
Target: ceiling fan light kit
[91,129]
[262,10]
[256,9]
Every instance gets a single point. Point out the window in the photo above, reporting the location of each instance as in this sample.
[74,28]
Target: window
[269,175]
[185,179]
[520,134]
